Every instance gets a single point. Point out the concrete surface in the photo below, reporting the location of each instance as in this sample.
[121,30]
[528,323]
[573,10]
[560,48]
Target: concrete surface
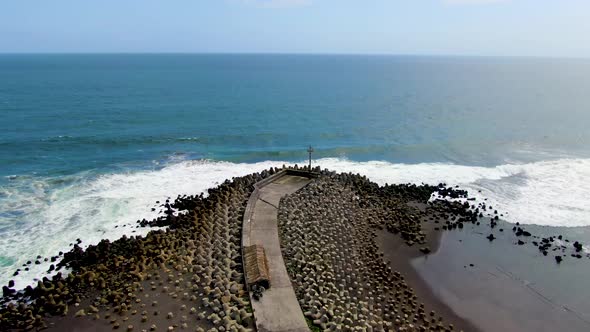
[278,310]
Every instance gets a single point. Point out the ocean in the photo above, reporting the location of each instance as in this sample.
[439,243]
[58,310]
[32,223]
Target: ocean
[89,143]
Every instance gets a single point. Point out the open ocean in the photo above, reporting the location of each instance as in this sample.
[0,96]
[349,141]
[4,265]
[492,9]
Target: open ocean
[88,143]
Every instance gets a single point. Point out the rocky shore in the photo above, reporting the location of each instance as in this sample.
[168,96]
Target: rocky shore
[188,275]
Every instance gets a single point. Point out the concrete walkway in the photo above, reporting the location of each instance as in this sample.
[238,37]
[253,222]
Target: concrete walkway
[278,310]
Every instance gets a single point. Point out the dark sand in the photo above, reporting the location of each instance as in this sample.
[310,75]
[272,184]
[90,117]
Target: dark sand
[180,305]
[508,288]
[400,256]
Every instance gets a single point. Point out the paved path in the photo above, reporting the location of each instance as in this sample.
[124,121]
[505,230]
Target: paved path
[278,310]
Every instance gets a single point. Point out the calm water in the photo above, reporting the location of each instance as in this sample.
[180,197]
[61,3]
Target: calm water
[90,142]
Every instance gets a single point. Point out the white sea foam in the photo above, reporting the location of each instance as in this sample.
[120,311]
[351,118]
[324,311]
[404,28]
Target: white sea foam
[93,209]
[552,193]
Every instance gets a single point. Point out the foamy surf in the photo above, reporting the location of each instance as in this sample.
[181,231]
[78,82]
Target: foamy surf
[39,220]
[44,216]
[548,193]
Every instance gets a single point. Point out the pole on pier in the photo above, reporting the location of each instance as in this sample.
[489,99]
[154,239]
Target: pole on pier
[310,150]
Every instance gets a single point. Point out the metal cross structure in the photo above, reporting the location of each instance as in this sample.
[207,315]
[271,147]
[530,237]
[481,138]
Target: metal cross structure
[310,150]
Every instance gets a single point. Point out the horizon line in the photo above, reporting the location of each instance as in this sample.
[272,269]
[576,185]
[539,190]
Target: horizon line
[301,54]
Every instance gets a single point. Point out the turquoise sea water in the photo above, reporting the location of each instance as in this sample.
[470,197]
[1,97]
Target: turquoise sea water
[90,142]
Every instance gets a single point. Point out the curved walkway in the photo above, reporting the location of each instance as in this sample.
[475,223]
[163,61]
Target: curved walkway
[278,309]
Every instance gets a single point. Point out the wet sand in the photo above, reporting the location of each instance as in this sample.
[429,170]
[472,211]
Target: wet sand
[499,285]
[400,256]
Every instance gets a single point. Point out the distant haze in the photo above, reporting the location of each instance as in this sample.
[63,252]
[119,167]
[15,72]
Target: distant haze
[429,27]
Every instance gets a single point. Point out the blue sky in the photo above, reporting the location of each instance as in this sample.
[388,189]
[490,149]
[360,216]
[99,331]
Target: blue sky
[429,27]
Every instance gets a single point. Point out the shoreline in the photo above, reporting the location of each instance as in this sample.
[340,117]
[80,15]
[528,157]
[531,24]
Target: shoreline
[189,273]
[329,231]
[400,256]
[144,187]
[501,285]
[376,249]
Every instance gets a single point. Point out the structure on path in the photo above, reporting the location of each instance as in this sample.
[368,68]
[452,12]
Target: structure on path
[310,150]
[257,272]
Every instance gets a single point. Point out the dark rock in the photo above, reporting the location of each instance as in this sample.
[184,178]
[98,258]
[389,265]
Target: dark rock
[6,291]
[425,250]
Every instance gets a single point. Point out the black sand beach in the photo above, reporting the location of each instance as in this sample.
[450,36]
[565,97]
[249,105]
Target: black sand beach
[501,285]
[400,257]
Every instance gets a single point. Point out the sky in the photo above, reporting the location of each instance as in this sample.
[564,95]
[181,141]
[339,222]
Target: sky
[553,28]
